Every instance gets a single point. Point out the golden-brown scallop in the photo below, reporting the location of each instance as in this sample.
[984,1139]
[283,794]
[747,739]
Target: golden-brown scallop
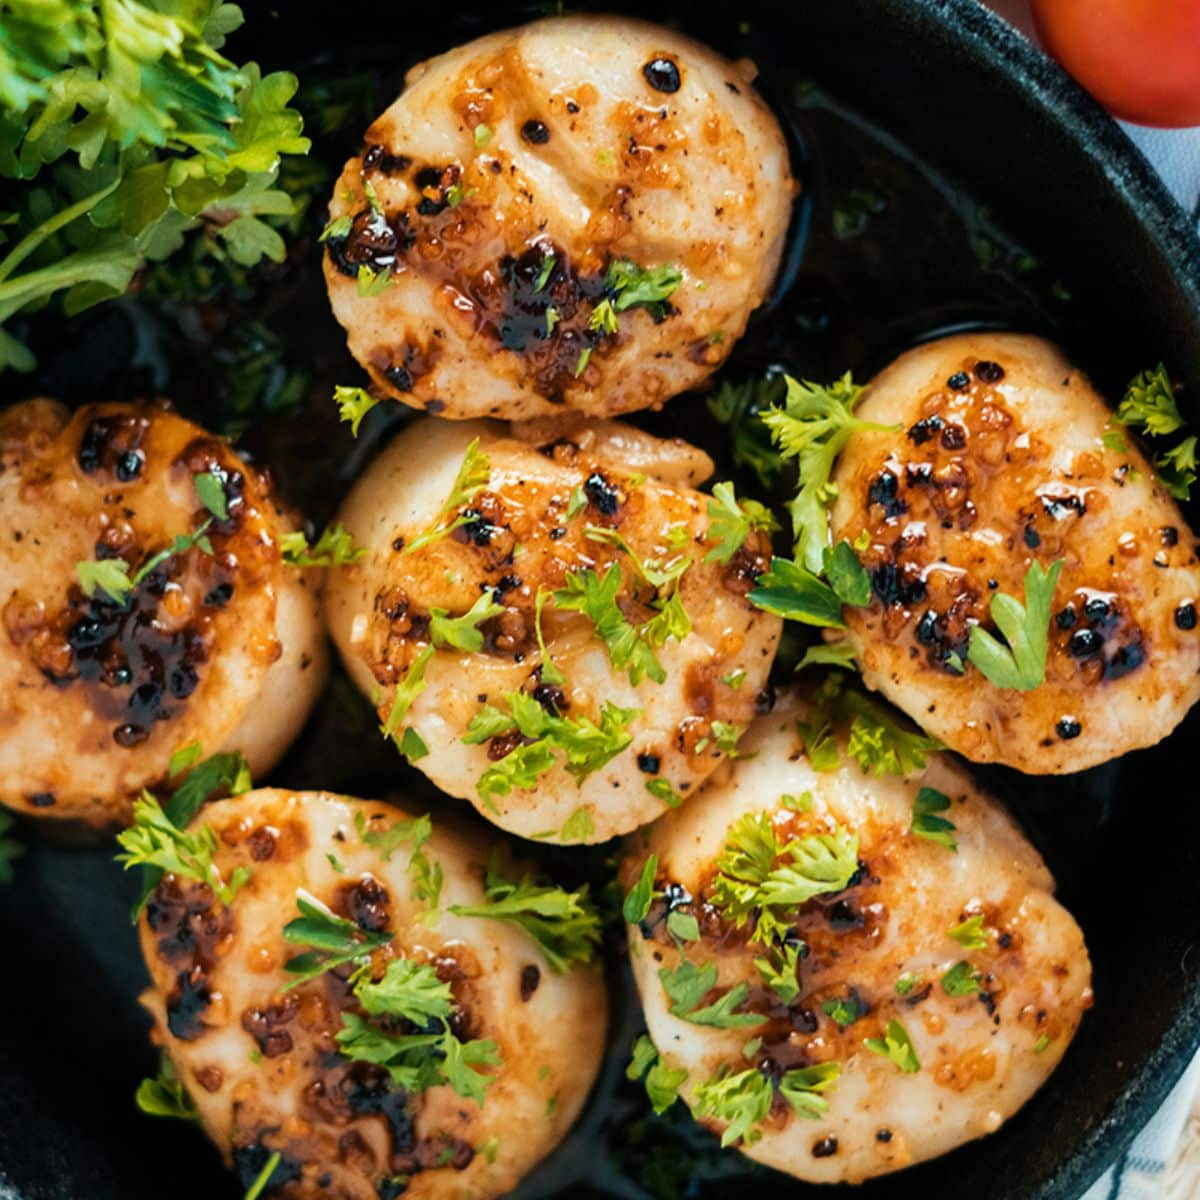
[964,954]
[222,648]
[999,460]
[265,1067]
[633,718]
[511,174]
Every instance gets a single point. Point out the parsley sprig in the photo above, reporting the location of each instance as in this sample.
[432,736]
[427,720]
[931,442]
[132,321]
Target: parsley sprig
[334,548]
[743,1099]
[583,745]
[565,925]
[1149,406]
[813,427]
[661,1080]
[472,478]
[165,1096]
[730,522]
[1021,664]
[130,132]
[926,823]
[740,408]
[897,1046]
[411,992]
[334,941]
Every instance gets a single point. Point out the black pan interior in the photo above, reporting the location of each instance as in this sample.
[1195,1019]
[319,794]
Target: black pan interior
[952,178]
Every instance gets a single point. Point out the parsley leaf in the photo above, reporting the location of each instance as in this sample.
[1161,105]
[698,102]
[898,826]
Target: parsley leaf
[742,1100]
[730,522]
[844,1012]
[414,832]
[686,985]
[662,1082]
[1022,663]
[564,924]
[154,840]
[637,902]
[463,632]
[801,1087]
[211,491]
[660,789]
[334,941]
[780,970]
[961,980]
[412,992]
[1177,468]
[925,824]
[334,548]
[407,690]
[585,746]
[972,934]
[112,575]
[549,670]
[796,593]
[165,1096]
[825,654]
[629,284]
[813,427]
[897,1046]
[353,404]
[578,826]
[472,478]
[1149,404]
[821,863]
[740,407]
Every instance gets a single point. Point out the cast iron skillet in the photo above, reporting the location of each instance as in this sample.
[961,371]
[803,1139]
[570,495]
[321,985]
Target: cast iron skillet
[922,111]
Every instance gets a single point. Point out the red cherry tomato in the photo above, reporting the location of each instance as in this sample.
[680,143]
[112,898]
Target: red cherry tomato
[1139,58]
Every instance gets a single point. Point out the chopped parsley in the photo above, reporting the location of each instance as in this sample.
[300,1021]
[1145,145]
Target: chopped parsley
[657,574]
[595,596]
[353,404]
[662,1081]
[584,745]
[578,826]
[472,478]
[743,1100]
[897,1046]
[463,632]
[412,992]
[211,491]
[961,980]
[333,941]
[739,407]
[660,789]
[813,427]
[565,925]
[1021,664]
[749,883]
[154,840]
[972,934]
[730,522]
[637,902]
[369,282]
[1149,404]
[334,548]
[876,743]
[686,985]
[627,284]
[407,690]
[549,670]
[906,983]
[576,502]
[927,824]
[683,927]
[165,1096]
[780,970]
[844,1012]
[836,654]
[412,832]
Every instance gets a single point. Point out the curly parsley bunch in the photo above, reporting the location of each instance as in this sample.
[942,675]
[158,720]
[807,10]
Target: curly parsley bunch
[130,130]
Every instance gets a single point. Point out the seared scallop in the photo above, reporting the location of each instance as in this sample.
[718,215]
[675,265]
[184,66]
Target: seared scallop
[583,212]
[136,619]
[845,974]
[1003,457]
[384,1044]
[545,623]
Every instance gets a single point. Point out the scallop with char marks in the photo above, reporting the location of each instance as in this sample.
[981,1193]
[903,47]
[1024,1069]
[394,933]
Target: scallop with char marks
[587,537]
[1003,456]
[461,1096]
[217,643]
[936,989]
[515,195]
